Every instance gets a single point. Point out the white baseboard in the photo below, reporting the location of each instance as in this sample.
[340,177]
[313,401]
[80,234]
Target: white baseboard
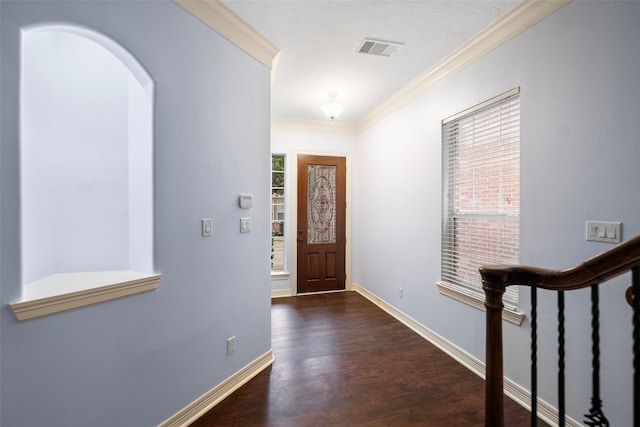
[204,403]
[281,293]
[519,394]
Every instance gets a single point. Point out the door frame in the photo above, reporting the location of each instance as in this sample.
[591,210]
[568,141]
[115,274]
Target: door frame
[293,214]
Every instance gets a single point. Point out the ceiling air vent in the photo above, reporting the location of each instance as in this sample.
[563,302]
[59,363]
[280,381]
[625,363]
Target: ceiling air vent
[378,47]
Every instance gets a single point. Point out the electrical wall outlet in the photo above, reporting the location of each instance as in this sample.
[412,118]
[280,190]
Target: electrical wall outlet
[400,291]
[231,345]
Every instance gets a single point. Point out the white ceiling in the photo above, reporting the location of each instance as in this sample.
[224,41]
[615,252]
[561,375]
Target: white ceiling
[318,40]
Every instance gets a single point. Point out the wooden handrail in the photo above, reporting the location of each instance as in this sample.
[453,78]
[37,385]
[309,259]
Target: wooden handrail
[611,263]
[598,269]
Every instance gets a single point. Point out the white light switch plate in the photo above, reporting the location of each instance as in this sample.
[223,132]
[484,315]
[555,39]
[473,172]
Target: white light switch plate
[245,225]
[207,227]
[601,231]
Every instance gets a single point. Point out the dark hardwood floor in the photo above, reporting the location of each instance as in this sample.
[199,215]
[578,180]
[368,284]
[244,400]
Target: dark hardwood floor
[342,361]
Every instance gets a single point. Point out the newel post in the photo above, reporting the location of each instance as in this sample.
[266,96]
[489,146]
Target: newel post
[494,399]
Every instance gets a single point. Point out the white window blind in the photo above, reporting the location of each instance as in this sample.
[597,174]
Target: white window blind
[481,191]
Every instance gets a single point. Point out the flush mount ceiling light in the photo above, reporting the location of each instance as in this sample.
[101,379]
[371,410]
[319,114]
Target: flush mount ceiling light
[332,109]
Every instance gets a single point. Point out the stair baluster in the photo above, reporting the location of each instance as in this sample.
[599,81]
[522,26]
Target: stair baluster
[561,401]
[534,356]
[635,273]
[591,273]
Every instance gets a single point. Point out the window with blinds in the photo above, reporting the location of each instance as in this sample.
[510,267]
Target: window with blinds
[481,191]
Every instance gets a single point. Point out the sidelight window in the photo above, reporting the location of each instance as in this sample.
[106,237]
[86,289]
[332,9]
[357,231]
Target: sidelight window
[277,212]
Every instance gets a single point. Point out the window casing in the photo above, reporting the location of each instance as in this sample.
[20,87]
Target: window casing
[277,212]
[481,192]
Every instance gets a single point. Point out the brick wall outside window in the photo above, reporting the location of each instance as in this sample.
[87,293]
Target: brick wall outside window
[481,192]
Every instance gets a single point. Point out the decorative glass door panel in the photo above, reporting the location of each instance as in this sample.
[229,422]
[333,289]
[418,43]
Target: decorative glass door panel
[321,204]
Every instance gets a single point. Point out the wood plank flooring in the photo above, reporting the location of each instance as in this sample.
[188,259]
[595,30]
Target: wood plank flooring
[342,361]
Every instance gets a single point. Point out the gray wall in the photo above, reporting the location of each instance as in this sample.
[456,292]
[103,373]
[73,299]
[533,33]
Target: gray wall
[136,361]
[580,157]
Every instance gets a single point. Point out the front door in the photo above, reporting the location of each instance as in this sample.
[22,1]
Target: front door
[321,223]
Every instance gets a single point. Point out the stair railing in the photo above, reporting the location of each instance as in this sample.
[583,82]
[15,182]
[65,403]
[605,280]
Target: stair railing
[620,259]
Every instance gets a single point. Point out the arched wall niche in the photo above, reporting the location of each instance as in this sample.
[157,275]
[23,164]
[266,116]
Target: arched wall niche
[86,164]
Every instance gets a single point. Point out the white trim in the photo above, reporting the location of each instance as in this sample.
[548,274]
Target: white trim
[478,107]
[230,26]
[519,19]
[204,403]
[279,275]
[313,126]
[61,292]
[116,49]
[470,362]
[546,411]
[519,394]
[224,21]
[280,293]
[509,314]
[522,17]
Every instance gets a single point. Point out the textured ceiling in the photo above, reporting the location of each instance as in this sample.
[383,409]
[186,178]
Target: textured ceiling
[319,41]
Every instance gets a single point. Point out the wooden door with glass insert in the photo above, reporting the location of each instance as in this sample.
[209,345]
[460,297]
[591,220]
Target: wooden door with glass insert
[321,223]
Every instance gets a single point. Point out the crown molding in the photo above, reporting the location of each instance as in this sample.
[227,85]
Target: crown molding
[519,19]
[313,126]
[230,26]
[224,21]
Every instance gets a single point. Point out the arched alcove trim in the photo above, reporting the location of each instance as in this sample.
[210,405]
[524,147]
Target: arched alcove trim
[130,61]
[66,290]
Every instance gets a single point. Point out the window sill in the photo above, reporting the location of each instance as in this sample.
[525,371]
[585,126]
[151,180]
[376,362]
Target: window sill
[61,292]
[279,275]
[508,314]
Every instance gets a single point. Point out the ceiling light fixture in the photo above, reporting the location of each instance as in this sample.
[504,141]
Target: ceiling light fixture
[332,109]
